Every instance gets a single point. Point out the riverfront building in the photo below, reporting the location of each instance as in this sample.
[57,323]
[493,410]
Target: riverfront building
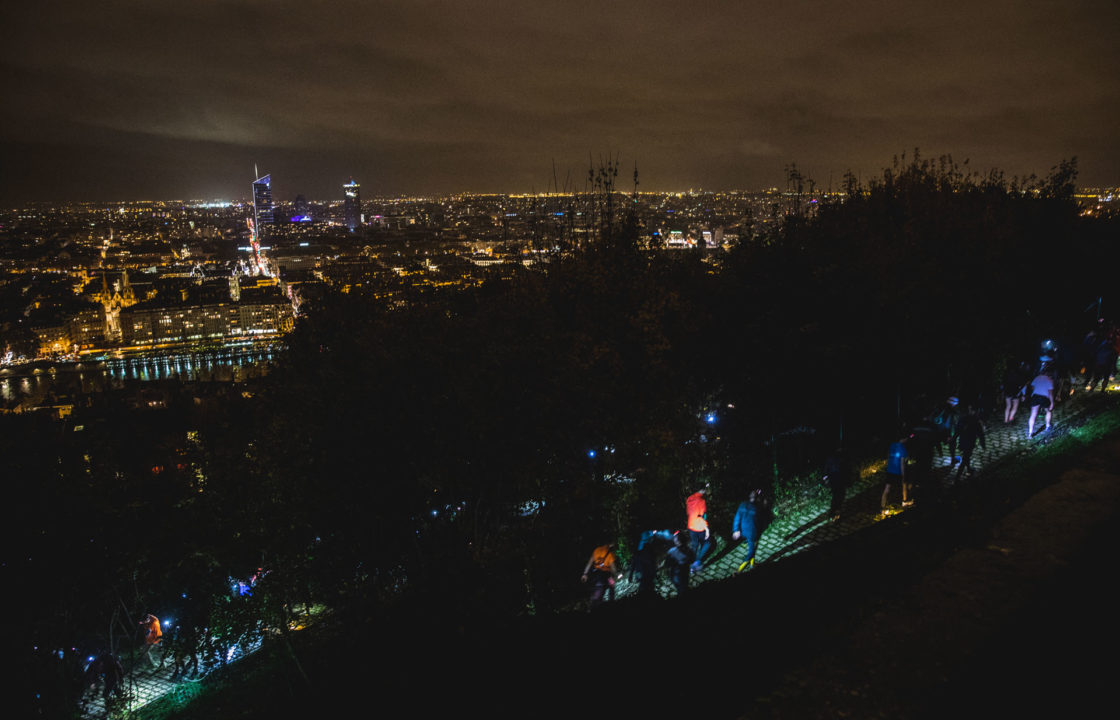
[146,324]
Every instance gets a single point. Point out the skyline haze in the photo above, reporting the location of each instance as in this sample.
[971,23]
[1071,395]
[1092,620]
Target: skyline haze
[126,99]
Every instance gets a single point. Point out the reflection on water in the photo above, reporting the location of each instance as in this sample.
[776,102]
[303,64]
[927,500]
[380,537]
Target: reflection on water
[224,365]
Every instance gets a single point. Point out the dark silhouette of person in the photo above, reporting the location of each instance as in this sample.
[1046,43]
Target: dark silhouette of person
[650,545]
[679,559]
[946,421]
[184,652]
[1104,363]
[837,477]
[896,474]
[969,432]
[920,445]
[107,668]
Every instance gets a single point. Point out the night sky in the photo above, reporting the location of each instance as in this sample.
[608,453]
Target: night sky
[149,99]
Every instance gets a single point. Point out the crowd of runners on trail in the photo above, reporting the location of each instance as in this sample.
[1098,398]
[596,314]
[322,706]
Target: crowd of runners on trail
[1059,369]
[1040,383]
[188,647]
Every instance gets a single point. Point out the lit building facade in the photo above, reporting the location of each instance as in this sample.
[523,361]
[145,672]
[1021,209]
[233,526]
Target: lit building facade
[141,325]
[67,331]
[352,207]
[87,328]
[262,203]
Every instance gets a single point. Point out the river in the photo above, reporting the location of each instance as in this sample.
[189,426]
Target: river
[226,364]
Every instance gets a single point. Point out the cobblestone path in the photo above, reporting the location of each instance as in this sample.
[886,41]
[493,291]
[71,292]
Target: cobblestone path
[143,686]
[798,529]
[791,532]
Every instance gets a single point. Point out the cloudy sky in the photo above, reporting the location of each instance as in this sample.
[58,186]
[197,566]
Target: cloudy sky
[123,99]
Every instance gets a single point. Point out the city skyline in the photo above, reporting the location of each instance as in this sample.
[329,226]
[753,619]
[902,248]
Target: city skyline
[126,100]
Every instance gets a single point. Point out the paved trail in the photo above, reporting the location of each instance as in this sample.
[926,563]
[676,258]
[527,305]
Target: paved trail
[791,533]
[808,525]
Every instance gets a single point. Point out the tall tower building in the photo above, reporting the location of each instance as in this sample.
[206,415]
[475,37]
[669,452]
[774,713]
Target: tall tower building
[262,203]
[352,209]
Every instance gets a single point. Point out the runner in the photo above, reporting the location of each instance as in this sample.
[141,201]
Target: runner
[837,476]
[152,637]
[1042,395]
[696,509]
[602,570]
[748,527]
[108,669]
[679,559]
[896,474]
[969,432]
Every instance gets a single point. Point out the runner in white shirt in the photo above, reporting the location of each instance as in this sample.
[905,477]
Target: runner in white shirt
[1042,395]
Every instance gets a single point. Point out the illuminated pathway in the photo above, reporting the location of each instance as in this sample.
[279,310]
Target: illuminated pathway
[146,686]
[807,525]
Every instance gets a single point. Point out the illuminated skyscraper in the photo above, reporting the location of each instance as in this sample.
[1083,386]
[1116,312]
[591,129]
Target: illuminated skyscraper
[262,203]
[352,210]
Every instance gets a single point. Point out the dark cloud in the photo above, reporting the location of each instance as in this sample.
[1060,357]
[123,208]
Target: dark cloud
[444,96]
